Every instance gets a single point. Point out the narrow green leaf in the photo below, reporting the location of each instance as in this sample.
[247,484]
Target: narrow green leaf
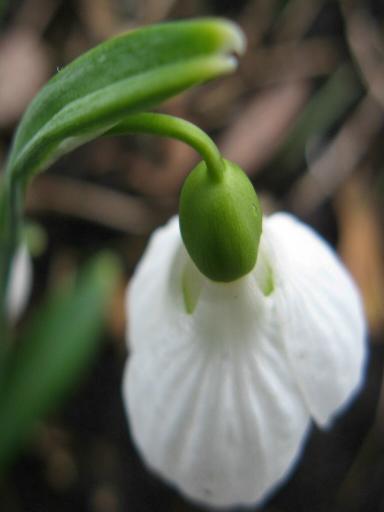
[127,74]
[57,345]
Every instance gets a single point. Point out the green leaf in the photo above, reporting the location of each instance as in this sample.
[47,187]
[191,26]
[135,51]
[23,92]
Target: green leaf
[58,344]
[124,75]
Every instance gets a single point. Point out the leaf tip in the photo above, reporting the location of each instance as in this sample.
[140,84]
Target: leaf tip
[234,38]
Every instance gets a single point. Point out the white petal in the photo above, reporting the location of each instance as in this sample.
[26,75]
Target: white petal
[20,283]
[212,404]
[154,277]
[320,313]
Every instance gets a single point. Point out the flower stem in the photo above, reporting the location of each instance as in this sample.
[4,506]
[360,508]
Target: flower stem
[170,126]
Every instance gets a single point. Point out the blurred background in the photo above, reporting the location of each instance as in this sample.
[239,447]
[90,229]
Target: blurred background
[304,116]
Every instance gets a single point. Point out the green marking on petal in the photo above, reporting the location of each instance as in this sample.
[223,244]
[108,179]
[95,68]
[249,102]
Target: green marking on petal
[191,284]
[188,301]
[269,284]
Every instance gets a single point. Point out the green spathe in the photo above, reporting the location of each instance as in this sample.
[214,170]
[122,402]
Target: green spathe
[220,222]
[125,75]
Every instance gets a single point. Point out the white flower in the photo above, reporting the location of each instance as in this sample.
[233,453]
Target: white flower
[20,283]
[220,398]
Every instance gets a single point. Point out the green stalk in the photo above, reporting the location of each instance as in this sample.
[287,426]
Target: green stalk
[176,128]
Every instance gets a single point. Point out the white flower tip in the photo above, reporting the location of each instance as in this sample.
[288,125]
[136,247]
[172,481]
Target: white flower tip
[354,389]
[19,284]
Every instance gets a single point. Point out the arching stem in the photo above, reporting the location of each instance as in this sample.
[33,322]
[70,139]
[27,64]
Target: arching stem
[177,128]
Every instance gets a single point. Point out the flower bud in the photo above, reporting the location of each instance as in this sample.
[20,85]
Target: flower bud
[220,221]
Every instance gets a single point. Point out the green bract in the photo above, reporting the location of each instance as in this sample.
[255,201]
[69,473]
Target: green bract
[124,75]
[220,222]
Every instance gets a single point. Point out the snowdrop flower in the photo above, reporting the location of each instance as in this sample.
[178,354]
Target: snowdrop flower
[20,283]
[224,378]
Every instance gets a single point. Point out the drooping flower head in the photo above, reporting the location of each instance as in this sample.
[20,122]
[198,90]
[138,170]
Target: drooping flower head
[225,375]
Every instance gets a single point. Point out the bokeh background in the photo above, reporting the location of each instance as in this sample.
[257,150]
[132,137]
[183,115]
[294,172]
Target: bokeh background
[304,116]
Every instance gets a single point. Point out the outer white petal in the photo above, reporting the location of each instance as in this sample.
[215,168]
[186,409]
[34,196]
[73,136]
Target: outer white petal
[211,400]
[320,313]
[20,283]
